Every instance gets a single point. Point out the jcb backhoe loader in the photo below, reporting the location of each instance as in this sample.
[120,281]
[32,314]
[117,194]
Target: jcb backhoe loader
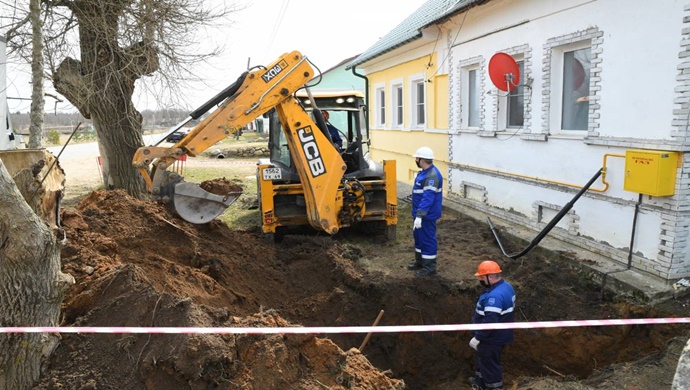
[307,180]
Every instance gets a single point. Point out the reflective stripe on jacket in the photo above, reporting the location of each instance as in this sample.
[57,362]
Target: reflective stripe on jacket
[496,304]
[427,194]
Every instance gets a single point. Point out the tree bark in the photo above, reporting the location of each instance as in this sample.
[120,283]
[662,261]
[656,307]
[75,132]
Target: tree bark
[101,85]
[681,380]
[37,98]
[31,285]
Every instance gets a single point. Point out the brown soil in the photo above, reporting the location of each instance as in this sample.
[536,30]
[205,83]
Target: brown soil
[221,186]
[137,265]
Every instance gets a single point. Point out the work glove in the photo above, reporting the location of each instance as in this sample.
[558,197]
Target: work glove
[417,223]
[474,343]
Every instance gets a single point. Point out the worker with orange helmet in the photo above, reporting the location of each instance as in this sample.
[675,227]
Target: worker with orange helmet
[495,305]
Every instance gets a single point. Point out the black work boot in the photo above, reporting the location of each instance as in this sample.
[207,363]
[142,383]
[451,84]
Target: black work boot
[417,262]
[425,272]
[414,266]
[475,385]
[428,268]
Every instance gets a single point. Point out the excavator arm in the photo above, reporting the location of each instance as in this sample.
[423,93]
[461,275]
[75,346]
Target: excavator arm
[318,162]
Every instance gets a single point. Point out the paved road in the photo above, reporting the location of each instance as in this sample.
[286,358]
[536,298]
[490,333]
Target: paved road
[80,163]
[88,149]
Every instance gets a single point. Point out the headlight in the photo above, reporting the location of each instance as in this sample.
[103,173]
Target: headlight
[350,100]
[340,100]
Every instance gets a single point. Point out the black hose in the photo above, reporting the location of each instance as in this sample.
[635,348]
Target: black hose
[634,225]
[550,225]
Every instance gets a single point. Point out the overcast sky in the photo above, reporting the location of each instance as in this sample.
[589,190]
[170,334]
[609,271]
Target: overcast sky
[325,31]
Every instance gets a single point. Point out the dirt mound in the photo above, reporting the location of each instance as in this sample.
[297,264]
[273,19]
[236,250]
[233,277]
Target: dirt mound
[136,265]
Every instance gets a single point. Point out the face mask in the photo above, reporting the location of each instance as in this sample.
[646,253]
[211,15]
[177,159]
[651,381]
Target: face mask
[484,284]
[416,161]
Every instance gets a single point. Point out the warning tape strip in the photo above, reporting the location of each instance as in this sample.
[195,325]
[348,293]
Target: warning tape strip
[346,329]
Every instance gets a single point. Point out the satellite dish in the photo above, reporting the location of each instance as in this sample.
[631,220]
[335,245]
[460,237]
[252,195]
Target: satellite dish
[504,72]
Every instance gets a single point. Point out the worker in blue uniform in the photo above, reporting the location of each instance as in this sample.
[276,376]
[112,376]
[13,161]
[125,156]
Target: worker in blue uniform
[334,132]
[495,305]
[427,204]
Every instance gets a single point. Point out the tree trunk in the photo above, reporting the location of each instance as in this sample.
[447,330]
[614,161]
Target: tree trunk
[37,98]
[101,86]
[116,145]
[32,286]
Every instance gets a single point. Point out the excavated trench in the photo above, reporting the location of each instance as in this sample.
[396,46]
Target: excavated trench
[433,360]
[136,265]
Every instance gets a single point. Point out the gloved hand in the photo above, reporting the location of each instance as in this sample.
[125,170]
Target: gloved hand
[474,343]
[417,223]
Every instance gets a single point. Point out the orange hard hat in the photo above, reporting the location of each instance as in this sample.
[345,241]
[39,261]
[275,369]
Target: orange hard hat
[488,267]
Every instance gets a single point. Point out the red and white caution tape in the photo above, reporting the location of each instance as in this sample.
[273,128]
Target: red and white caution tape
[345,329]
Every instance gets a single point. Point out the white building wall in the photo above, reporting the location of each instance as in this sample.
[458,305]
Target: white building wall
[639,99]
[4,139]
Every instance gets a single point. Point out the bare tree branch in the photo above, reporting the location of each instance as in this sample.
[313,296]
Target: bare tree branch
[98,51]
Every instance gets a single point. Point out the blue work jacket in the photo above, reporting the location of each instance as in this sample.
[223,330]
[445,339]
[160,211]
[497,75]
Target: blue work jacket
[427,194]
[496,304]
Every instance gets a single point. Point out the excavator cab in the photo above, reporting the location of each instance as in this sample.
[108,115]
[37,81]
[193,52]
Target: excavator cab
[288,208]
[347,115]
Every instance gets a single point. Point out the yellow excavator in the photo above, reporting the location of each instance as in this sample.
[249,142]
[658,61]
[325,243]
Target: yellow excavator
[307,181]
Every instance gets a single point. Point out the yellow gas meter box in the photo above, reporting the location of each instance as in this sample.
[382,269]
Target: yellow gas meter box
[650,172]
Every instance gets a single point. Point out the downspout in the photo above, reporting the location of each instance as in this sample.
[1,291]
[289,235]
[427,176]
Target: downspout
[630,251]
[366,112]
[366,90]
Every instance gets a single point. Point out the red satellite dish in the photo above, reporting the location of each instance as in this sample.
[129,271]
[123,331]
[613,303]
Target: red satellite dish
[504,72]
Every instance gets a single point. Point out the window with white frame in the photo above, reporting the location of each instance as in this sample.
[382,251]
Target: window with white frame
[511,106]
[380,105]
[398,103]
[515,101]
[418,101]
[571,66]
[471,96]
[575,110]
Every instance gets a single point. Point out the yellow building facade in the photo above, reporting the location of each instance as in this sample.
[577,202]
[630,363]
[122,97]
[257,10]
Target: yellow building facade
[408,108]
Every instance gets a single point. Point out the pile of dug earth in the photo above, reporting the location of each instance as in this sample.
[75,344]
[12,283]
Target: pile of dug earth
[136,264]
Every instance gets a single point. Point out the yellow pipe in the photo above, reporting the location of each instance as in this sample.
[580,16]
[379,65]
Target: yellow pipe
[603,174]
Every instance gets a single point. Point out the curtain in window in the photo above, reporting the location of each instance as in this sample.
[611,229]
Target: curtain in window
[473,99]
[576,66]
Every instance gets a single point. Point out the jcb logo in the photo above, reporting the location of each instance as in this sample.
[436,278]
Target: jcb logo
[311,151]
[274,71]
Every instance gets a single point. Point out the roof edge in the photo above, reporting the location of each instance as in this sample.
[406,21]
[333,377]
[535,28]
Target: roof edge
[450,12]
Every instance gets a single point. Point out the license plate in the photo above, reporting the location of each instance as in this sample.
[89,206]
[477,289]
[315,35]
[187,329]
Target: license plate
[272,174]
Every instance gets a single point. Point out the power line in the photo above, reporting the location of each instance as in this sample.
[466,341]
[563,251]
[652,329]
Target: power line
[276,26]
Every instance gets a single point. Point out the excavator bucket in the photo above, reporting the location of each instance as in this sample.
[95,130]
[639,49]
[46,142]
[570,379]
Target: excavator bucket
[197,205]
[193,202]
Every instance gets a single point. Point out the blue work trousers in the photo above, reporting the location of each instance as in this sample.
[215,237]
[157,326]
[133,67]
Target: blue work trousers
[425,243]
[489,374]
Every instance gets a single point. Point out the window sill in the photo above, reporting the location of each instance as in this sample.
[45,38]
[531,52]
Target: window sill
[486,133]
[574,135]
[534,137]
